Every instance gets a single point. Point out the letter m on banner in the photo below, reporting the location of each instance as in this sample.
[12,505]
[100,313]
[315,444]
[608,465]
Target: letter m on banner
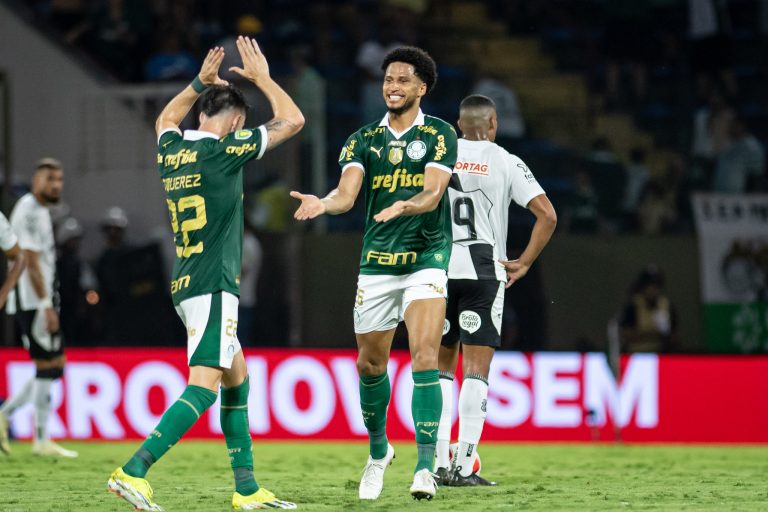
[637,391]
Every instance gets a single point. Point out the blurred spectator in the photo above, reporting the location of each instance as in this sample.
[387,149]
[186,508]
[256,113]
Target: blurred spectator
[510,120]
[69,17]
[607,177]
[657,210]
[638,175]
[626,42]
[308,90]
[171,61]
[246,25]
[740,166]
[77,286]
[711,47]
[133,285]
[649,320]
[711,134]
[370,55]
[249,278]
[582,215]
[111,274]
[116,33]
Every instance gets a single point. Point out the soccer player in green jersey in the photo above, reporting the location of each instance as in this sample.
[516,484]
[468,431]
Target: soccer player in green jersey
[404,162]
[201,171]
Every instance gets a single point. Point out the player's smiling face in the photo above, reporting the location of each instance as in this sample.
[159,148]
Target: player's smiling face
[402,88]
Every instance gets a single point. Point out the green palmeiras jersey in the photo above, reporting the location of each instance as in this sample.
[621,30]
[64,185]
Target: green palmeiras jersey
[393,165]
[203,181]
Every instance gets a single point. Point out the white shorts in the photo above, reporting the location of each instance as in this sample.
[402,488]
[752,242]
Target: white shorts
[211,322]
[382,299]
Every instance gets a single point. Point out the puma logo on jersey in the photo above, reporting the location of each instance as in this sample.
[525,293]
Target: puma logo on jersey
[428,433]
[377,151]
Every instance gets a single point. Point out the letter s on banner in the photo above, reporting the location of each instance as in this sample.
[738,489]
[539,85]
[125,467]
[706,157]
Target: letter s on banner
[509,400]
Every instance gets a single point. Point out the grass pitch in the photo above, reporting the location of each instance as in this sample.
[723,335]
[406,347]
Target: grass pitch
[195,476]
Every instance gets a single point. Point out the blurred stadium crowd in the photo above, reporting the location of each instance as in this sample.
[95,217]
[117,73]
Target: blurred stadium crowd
[688,72]
[621,108]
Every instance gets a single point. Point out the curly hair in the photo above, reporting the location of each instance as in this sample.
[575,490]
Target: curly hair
[423,64]
[218,98]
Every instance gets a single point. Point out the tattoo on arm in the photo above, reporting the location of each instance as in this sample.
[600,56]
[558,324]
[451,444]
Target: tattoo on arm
[278,130]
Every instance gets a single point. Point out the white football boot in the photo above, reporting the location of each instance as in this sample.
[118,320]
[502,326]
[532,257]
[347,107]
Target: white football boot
[51,449]
[373,475]
[424,485]
[5,446]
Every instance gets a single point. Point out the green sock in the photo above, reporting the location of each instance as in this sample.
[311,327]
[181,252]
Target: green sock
[426,406]
[234,424]
[179,417]
[374,399]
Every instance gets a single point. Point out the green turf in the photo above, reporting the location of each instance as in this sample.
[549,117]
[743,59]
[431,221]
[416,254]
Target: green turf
[195,476]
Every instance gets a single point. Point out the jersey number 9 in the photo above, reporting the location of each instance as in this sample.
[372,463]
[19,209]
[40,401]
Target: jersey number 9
[464,215]
[197,222]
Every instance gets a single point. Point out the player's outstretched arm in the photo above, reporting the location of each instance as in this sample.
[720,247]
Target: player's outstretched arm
[18,262]
[339,200]
[546,220]
[288,119]
[435,182]
[178,108]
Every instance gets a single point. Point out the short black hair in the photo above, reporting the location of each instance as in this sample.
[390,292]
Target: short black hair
[218,98]
[423,65]
[477,100]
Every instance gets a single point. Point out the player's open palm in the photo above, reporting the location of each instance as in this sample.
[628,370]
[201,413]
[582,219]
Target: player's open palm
[391,212]
[255,65]
[515,269]
[310,207]
[209,72]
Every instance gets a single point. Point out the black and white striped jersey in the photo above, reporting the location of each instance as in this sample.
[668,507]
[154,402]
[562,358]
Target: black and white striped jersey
[486,181]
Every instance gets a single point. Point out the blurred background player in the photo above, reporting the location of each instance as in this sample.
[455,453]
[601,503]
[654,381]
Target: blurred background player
[15,256]
[33,301]
[405,161]
[487,180]
[202,173]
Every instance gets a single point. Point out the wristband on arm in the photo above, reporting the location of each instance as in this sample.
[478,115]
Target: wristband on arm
[198,86]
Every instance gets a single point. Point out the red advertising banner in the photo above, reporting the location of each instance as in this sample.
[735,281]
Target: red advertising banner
[121,393]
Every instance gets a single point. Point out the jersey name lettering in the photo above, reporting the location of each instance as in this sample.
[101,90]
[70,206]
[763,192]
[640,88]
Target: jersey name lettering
[180,182]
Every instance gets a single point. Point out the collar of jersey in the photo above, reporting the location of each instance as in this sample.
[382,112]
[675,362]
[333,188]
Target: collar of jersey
[416,122]
[199,134]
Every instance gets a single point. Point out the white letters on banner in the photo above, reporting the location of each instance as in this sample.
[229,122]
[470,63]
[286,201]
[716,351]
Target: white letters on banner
[554,391]
[509,401]
[322,402]
[551,390]
[97,408]
[136,395]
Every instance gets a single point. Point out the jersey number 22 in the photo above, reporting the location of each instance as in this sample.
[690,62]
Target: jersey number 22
[197,203]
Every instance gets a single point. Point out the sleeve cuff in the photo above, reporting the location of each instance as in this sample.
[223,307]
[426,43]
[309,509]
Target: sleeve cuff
[264,142]
[166,131]
[353,164]
[439,166]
